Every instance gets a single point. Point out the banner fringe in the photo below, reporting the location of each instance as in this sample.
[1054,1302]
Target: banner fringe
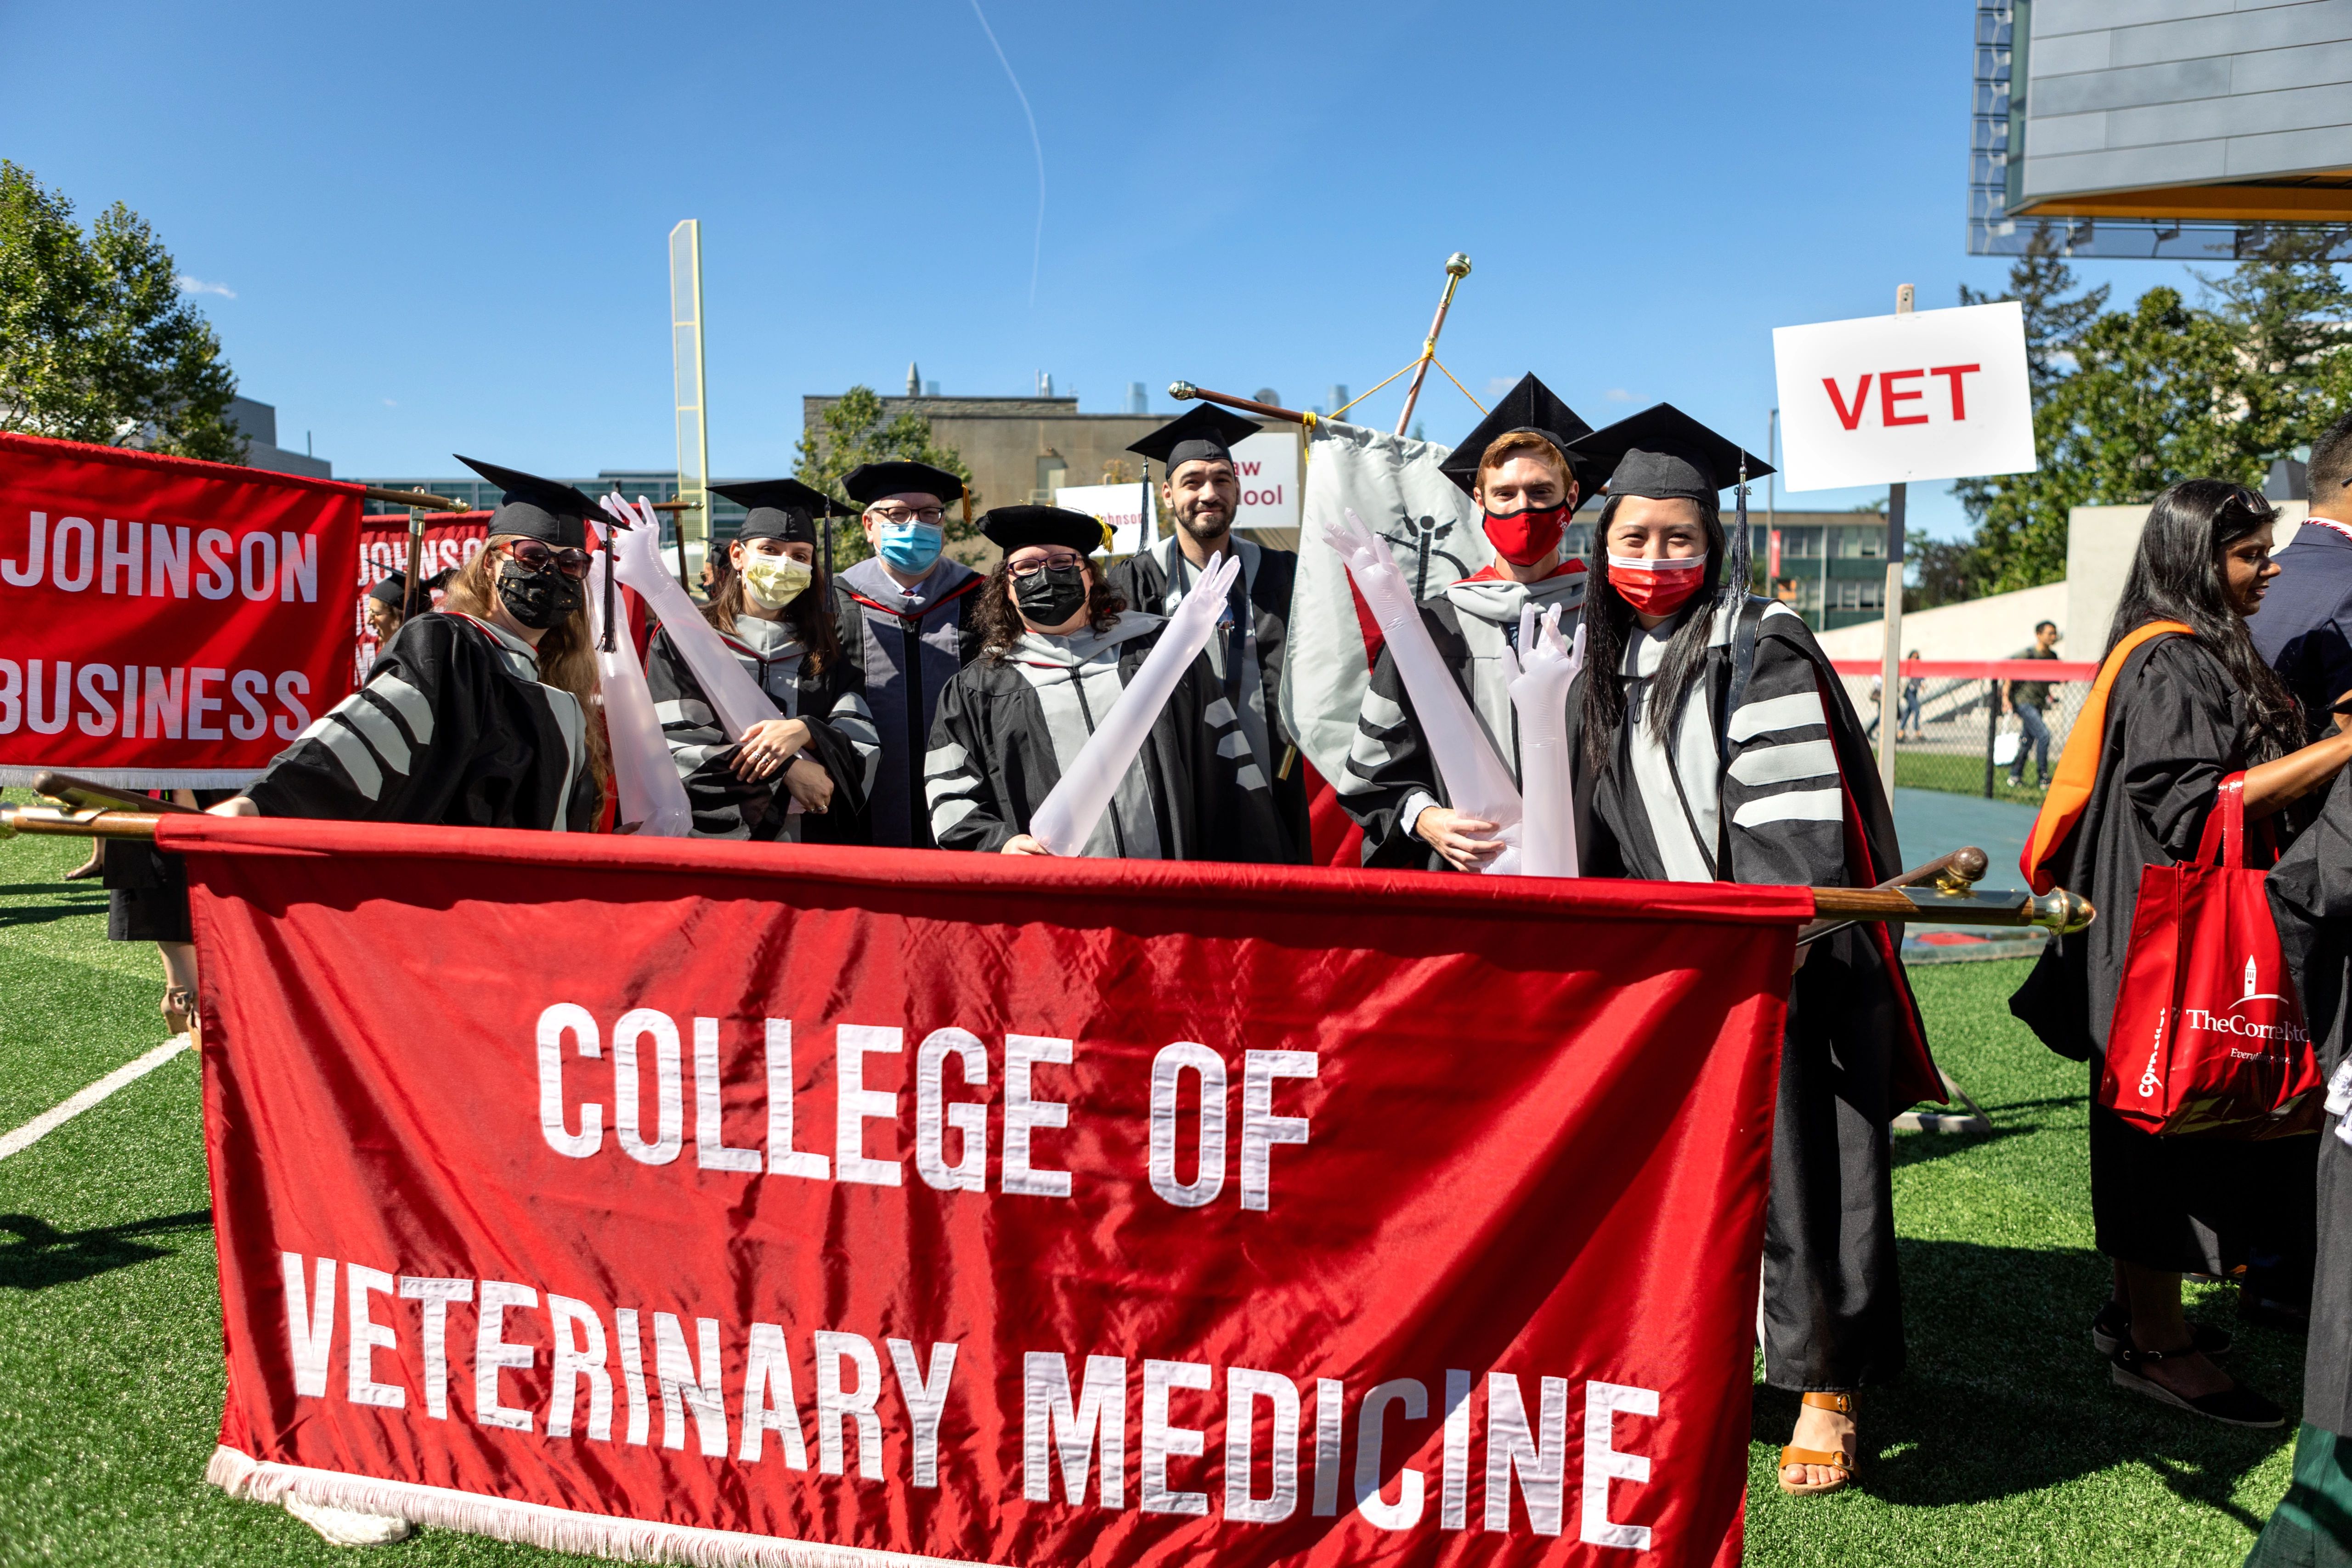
[535,1524]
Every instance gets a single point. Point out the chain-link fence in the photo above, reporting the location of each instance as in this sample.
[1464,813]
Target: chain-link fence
[1950,721]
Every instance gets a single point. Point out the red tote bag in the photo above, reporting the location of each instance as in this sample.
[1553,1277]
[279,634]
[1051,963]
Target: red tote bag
[2207,1036]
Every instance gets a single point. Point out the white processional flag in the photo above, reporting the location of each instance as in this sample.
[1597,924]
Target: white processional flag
[1431,527]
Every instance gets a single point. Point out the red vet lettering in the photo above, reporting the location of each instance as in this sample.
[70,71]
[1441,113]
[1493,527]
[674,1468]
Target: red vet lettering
[1849,418]
[1888,397]
[1954,372]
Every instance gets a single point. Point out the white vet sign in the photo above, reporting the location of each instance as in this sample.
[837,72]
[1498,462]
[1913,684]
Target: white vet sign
[1930,394]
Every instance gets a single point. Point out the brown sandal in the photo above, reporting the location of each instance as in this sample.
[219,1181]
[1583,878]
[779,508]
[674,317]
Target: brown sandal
[1842,1463]
[179,1009]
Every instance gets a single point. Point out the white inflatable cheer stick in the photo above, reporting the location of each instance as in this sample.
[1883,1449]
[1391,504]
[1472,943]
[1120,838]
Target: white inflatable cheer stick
[1540,683]
[652,796]
[1475,779]
[1065,818]
[734,696]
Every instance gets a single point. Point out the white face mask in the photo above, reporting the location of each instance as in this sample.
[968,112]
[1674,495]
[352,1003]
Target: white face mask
[776,580]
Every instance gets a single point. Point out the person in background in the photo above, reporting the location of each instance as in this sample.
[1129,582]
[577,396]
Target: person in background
[479,714]
[2027,699]
[2184,712]
[1058,650]
[1712,742]
[772,609]
[1906,719]
[1201,494]
[383,603]
[2305,631]
[905,619]
[147,900]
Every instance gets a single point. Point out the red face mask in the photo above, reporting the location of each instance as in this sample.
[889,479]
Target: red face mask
[1524,538]
[1656,587]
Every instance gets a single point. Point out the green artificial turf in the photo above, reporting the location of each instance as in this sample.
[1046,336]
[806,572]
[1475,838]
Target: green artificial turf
[2004,1444]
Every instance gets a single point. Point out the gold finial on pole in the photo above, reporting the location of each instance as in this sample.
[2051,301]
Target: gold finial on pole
[1457,268]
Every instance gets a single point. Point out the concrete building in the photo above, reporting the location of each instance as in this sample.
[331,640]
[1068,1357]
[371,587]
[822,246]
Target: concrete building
[1021,449]
[2159,128]
[258,423]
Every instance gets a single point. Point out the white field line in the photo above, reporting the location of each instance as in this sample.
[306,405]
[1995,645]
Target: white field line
[58,1115]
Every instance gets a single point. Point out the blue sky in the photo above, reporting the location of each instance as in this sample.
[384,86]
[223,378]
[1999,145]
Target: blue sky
[434,227]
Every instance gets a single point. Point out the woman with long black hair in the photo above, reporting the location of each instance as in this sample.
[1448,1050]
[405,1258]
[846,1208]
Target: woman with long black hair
[1714,742]
[772,608]
[2190,703]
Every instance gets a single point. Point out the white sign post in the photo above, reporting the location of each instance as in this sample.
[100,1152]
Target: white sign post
[1884,400]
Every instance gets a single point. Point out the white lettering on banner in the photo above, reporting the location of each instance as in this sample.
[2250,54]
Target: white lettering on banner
[856,1106]
[1161,1439]
[683,1387]
[126,556]
[835,1404]
[783,1160]
[968,1117]
[1024,1113]
[710,1149]
[1602,1461]
[367,1337]
[435,1294]
[1244,1388]
[182,702]
[310,1322]
[1082,1433]
[1370,1428]
[578,1336]
[493,1353]
[1053,1428]
[1209,1175]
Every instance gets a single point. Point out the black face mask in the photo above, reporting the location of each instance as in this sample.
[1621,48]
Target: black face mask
[539,599]
[1050,597]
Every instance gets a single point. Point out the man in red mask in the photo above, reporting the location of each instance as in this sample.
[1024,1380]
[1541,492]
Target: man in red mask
[1516,465]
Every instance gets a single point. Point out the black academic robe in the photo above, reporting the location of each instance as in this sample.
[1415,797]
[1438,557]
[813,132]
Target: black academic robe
[909,648]
[453,728]
[830,701]
[1778,785]
[1390,774]
[1005,731]
[1245,655]
[2176,727]
[2311,896]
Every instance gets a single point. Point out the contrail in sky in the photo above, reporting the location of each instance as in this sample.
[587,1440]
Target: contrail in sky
[1037,247]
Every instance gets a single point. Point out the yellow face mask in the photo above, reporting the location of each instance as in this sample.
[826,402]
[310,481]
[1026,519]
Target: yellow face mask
[776,580]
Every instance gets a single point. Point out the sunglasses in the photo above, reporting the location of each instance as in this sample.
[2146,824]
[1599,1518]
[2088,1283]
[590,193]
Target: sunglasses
[533,557]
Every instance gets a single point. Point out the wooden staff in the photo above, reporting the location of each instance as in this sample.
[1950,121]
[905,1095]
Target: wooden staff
[1457,268]
[424,500]
[1185,391]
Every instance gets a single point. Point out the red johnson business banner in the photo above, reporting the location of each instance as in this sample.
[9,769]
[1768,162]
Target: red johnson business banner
[754,1204]
[451,539]
[165,622]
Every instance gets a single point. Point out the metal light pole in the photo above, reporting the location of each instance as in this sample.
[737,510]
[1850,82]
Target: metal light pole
[1890,660]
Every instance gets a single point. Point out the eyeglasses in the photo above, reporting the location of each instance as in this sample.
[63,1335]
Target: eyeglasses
[899,516]
[1059,561]
[533,557]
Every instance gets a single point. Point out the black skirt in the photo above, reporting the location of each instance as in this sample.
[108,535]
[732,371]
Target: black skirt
[147,891]
[2191,1205]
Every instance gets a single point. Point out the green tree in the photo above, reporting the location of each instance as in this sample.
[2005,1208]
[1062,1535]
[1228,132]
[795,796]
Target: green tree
[854,431]
[97,341]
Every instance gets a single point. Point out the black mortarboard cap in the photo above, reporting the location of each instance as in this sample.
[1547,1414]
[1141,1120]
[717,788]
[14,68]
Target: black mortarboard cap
[534,508]
[781,509]
[1206,432]
[1011,528]
[1530,407]
[869,482]
[1665,454]
[392,590]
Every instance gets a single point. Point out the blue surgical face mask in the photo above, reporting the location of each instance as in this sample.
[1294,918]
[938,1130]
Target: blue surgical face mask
[910,546]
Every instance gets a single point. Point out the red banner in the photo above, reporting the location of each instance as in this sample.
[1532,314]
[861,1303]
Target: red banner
[780,1204]
[451,539]
[165,622]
